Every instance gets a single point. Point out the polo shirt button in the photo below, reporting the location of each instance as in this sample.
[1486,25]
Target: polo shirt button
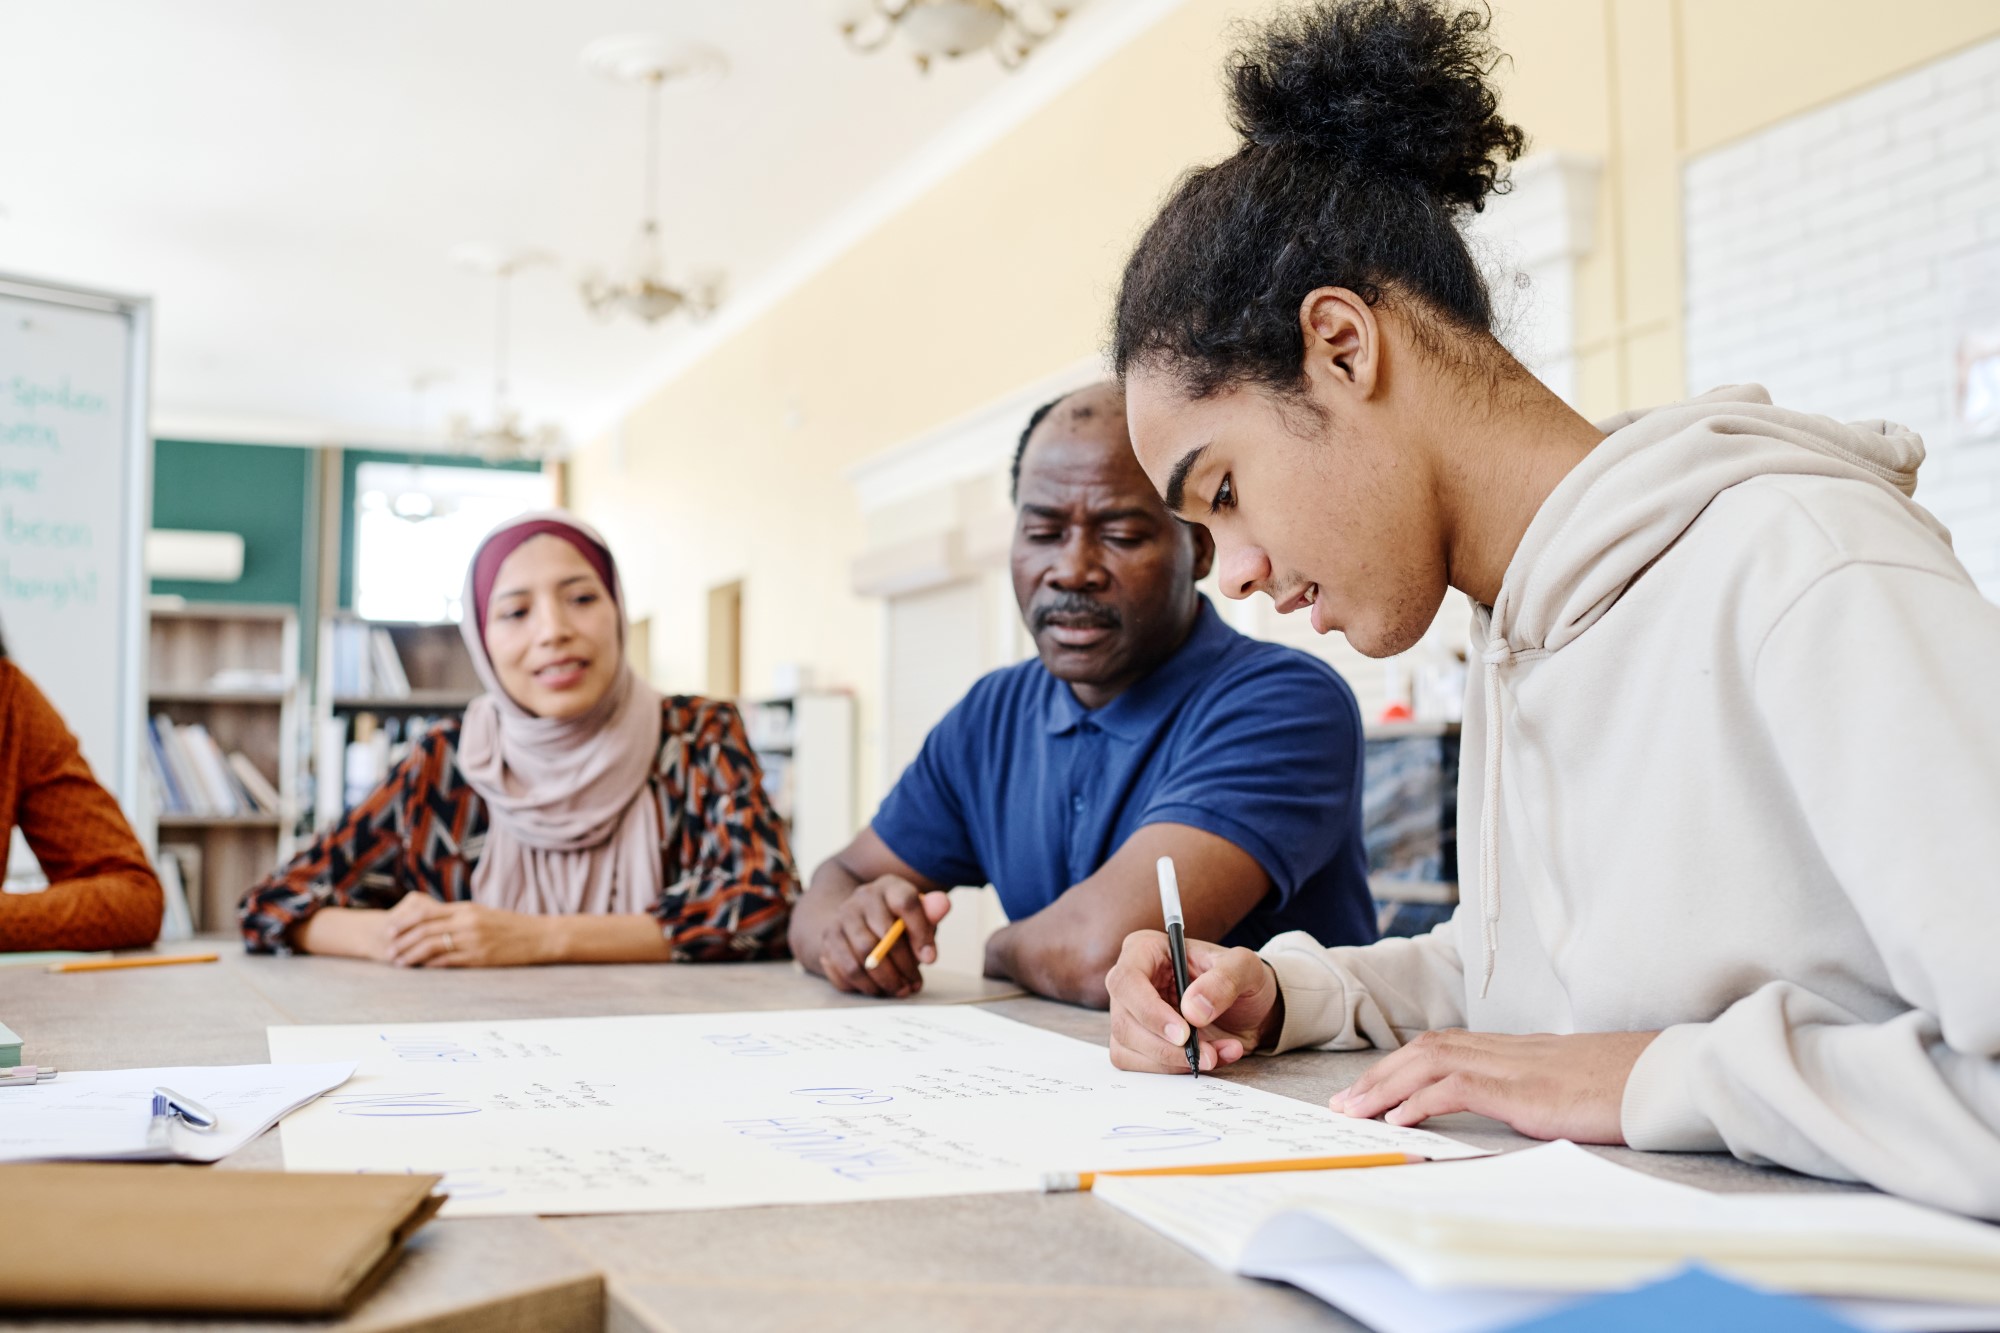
[1076,804]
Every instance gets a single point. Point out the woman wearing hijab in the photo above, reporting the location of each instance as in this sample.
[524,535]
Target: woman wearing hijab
[575,815]
[101,892]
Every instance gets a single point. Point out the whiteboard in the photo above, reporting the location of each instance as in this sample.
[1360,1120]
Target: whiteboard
[75,488]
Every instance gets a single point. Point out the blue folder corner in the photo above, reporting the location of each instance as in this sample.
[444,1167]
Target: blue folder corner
[1692,1300]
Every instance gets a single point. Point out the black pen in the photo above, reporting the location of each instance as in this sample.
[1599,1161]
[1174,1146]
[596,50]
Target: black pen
[1170,908]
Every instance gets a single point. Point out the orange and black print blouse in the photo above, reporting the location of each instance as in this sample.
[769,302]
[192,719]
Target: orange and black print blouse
[725,857]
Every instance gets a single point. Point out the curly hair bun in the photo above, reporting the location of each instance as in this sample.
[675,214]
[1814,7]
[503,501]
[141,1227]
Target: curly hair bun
[1389,90]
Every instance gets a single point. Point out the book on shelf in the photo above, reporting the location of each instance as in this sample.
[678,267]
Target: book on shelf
[192,775]
[168,795]
[212,768]
[176,920]
[248,680]
[181,790]
[258,787]
[365,662]
[390,680]
[346,664]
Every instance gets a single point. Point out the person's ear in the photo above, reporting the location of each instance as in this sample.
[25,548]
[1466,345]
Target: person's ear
[1343,345]
[1204,550]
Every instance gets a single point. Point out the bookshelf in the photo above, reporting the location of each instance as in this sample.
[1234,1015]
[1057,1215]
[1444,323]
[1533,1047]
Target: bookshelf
[431,668]
[227,672]
[805,745]
[381,684]
[1409,807]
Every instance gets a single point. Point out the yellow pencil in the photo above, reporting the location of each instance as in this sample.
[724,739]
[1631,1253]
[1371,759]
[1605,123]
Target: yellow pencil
[141,960]
[1062,1182]
[881,950]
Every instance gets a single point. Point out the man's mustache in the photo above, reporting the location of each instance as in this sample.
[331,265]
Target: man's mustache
[1076,609]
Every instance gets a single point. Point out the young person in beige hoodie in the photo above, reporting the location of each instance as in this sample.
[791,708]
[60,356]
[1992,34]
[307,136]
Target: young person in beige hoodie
[1730,789]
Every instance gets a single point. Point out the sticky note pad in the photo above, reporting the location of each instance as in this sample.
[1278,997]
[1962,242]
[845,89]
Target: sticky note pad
[10,1048]
[1695,1299]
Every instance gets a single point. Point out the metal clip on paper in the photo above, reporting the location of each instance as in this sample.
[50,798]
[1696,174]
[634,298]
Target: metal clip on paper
[169,1106]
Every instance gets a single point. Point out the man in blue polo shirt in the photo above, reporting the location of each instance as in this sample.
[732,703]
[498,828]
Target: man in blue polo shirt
[1146,728]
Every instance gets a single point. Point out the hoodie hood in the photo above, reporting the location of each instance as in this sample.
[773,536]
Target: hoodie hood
[1620,509]
[1653,474]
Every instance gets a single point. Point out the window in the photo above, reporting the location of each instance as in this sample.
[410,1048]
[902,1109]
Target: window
[416,526]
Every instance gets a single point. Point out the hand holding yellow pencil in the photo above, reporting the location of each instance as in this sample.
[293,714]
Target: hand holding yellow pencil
[888,942]
[881,935]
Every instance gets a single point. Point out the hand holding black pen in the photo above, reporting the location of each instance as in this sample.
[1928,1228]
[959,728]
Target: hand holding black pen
[1170,908]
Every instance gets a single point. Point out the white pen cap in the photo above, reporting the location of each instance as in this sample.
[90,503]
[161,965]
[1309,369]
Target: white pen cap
[1170,893]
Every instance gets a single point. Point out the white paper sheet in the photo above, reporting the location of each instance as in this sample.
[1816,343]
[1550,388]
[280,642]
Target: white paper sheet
[108,1115]
[1559,1218]
[682,1111]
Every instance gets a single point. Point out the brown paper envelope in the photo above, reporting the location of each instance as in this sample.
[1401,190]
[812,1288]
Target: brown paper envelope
[99,1236]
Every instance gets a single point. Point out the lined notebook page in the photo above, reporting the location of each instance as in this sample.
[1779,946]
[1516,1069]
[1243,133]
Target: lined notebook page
[1557,1217]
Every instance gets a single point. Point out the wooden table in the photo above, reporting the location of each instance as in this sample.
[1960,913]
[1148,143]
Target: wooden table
[1054,1262]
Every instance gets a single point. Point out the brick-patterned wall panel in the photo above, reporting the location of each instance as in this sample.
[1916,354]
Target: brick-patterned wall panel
[1840,257]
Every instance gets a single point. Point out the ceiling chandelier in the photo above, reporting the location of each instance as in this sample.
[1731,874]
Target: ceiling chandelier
[502,439]
[643,290]
[950,29]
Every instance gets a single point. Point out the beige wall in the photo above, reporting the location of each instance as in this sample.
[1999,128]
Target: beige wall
[1002,274]
[1647,83]
[1752,63]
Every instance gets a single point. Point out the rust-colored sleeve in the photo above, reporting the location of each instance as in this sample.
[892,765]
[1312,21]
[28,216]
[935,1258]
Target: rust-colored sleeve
[736,887]
[102,894]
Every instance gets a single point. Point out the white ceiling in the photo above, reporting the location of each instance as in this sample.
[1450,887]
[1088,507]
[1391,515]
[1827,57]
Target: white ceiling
[285,178]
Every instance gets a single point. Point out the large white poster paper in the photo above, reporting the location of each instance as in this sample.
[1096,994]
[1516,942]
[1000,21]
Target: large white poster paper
[685,1111]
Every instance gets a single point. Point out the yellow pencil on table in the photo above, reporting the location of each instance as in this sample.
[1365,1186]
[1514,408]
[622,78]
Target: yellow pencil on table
[1063,1182]
[881,950]
[142,960]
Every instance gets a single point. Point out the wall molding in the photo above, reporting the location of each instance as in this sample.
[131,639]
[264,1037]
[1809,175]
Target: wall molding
[1551,210]
[1528,243]
[915,565]
[970,446]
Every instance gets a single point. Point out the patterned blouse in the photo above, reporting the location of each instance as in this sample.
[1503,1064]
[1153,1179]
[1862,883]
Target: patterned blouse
[726,860]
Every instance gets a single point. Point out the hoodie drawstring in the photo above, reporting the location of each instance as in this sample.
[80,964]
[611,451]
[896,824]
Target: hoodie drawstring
[1496,655]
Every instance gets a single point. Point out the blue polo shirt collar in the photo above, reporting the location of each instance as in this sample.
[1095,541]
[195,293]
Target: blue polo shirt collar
[1136,712]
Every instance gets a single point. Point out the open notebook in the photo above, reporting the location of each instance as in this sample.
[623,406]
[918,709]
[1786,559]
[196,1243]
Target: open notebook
[1557,1219]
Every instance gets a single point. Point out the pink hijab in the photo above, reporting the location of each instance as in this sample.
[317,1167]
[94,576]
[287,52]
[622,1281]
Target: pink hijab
[572,823]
